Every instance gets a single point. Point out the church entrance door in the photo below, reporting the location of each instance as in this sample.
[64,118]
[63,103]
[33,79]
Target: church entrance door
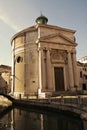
[59,79]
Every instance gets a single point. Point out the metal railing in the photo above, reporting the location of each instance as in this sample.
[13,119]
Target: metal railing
[79,100]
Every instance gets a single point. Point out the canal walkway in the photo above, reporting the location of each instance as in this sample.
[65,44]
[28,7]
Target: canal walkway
[75,105]
[71,105]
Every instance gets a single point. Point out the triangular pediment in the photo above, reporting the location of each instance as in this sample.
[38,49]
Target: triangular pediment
[58,38]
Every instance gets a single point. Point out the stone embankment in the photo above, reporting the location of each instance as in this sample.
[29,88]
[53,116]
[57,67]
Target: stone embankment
[72,105]
[5,105]
[69,105]
[5,102]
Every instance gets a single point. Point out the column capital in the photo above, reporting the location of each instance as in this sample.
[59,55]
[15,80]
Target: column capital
[46,49]
[74,51]
[40,49]
[49,49]
[69,51]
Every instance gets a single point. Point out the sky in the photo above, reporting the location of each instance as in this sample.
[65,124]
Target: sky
[16,15]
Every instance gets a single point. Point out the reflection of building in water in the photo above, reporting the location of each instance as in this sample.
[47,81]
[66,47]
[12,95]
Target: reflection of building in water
[27,120]
[61,122]
[5,122]
[44,60]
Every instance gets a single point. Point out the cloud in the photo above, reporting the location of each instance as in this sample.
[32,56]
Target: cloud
[9,22]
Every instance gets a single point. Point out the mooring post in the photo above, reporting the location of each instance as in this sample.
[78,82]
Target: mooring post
[20,96]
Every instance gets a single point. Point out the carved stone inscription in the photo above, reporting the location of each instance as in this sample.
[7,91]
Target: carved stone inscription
[58,54]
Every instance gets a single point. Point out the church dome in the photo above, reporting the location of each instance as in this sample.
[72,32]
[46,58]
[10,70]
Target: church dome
[42,19]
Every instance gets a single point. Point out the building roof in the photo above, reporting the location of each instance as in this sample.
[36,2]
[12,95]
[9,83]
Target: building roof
[5,68]
[81,64]
[34,28]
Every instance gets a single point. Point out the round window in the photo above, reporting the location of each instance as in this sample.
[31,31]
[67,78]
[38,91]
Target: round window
[19,59]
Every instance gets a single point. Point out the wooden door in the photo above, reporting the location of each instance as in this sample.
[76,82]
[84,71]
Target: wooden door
[59,79]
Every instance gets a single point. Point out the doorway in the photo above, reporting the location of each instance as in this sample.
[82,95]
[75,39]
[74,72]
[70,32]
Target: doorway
[59,78]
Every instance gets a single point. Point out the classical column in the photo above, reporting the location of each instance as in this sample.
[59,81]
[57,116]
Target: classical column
[49,69]
[39,68]
[13,67]
[43,64]
[26,72]
[75,69]
[70,71]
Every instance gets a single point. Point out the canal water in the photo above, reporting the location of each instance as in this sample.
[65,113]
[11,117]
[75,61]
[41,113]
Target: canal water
[25,119]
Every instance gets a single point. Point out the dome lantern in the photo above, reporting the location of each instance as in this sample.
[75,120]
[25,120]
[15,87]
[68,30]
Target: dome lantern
[42,19]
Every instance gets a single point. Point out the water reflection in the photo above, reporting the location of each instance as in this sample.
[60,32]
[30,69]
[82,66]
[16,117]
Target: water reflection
[18,119]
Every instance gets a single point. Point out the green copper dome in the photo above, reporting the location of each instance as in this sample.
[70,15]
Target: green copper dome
[42,20]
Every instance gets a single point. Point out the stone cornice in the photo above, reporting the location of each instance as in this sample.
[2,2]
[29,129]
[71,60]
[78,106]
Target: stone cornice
[55,27]
[55,35]
[45,41]
[22,33]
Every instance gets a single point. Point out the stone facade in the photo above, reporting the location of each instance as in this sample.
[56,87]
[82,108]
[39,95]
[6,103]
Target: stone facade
[44,60]
[5,79]
[83,59]
[82,76]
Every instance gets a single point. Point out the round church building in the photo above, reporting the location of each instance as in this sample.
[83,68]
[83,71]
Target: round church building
[44,60]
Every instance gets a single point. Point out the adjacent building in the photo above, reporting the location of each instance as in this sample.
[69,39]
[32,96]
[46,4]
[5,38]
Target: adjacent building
[82,71]
[5,79]
[44,60]
[83,59]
